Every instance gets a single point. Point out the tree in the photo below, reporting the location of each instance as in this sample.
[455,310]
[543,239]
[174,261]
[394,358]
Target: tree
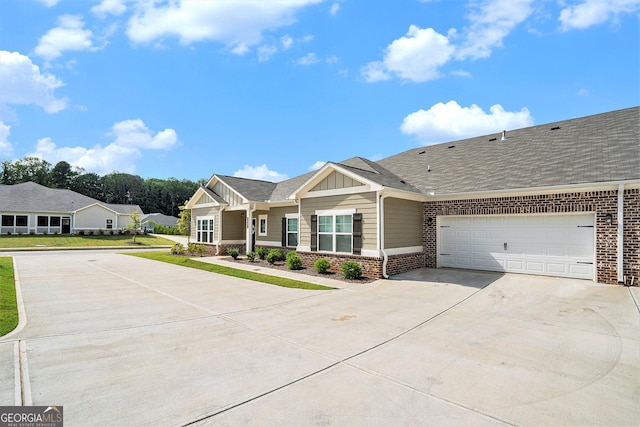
[62,176]
[89,185]
[134,225]
[27,169]
[184,221]
[122,188]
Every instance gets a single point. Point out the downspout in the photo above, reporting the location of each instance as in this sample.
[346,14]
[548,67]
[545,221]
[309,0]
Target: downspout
[385,256]
[250,212]
[219,241]
[620,233]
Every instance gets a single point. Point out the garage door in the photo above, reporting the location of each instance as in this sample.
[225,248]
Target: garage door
[552,245]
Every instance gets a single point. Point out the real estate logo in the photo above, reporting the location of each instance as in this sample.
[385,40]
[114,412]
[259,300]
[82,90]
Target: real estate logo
[31,416]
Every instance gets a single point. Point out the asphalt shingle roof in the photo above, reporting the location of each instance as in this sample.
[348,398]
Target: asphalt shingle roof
[599,148]
[32,197]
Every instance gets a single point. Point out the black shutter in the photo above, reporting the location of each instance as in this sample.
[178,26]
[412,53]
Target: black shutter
[314,232]
[284,232]
[357,233]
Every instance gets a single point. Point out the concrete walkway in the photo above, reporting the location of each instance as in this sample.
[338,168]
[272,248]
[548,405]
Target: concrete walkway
[119,340]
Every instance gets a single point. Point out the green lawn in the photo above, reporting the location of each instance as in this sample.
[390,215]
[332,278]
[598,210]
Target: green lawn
[228,271]
[66,241]
[8,305]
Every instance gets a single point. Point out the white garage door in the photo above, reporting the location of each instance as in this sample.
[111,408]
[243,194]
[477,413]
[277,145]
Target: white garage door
[552,245]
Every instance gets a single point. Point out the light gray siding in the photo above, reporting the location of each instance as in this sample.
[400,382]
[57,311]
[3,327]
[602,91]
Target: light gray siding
[402,223]
[364,203]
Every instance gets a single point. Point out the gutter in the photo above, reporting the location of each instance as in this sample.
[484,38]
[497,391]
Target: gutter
[385,256]
[621,233]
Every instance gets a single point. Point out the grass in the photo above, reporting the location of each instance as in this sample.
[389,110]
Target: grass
[8,304]
[228,271]
[67,241]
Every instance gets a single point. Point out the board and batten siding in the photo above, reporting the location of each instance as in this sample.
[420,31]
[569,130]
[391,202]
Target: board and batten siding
[209,212]
[336,180]
[364,203]
[402,223]
[232,198]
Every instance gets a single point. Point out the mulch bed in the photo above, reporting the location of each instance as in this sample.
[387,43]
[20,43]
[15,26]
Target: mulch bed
[280,265]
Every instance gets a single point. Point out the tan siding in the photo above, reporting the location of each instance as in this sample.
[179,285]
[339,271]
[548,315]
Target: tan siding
[233,226]
[211,211]
[402,223]
[274,222]
[364,203]
[334,181]
[205,198]
[225,192]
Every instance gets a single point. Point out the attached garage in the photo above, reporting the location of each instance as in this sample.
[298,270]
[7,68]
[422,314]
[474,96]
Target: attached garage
[560,245]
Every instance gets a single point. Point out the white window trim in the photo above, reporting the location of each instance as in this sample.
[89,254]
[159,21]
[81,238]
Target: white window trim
[260,219]
[286,224]
[334,233]
[210,230]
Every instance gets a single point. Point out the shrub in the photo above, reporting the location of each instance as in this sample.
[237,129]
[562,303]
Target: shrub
[177,249]
[251,256]
[262,252]
[321,265]
[351,270]
[293,261]
[32,232]
[101,232]
[233,253]
[197,249]
[274,255]
[81,232]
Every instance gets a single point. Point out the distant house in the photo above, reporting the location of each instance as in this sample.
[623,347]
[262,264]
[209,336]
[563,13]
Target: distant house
[560,199]
[149,220]
[31,208]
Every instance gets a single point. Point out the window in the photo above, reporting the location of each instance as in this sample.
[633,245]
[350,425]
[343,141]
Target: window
[22,220]
[292,232]
[335,232]
[54,221]
[43,221]
[7,220]
[262,225]
[204,229]
[109,224]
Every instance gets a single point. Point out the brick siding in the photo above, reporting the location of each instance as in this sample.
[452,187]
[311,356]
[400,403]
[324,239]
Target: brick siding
[371,266]
[600,202]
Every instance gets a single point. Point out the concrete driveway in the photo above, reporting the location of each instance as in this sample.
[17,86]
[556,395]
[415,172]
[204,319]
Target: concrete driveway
[124,341]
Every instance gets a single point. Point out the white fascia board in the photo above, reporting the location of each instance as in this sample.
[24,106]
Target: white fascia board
[98,204]
[402,194]
[199,192]
[557,189]
[337,192]
[323,172]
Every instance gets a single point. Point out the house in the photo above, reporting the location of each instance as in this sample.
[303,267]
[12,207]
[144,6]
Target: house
[559,199]
[30,208]
[150,220]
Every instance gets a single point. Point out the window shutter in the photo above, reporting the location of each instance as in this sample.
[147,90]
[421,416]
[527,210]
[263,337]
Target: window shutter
[314,232]
[357,233]
[284,232]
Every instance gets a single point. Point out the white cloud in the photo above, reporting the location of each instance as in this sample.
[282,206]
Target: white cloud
[583,92]
[419,55]
[461,73]
[21,82]
[450,121]
[49,3]
[416,57]
[110,7]
[308,59]
[335,7]
[5,146]
[261,172]
[266,52]
[131,137]
[68,35]
[238,24]
[494,20]
[593,12]
[317,165]
[286,41]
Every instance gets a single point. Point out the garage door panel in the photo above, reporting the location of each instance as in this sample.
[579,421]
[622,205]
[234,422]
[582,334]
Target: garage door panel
[536,244]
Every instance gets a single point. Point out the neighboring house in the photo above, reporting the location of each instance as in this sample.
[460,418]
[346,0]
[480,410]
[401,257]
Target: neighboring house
[32,208]
[149,220]
[560,199]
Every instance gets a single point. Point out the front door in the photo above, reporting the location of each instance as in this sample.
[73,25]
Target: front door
[252,244]
[66,225]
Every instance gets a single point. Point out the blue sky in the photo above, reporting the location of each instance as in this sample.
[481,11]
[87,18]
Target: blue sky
[270,90]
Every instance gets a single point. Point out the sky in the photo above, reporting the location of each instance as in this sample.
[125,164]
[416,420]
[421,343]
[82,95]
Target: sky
[273,89]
